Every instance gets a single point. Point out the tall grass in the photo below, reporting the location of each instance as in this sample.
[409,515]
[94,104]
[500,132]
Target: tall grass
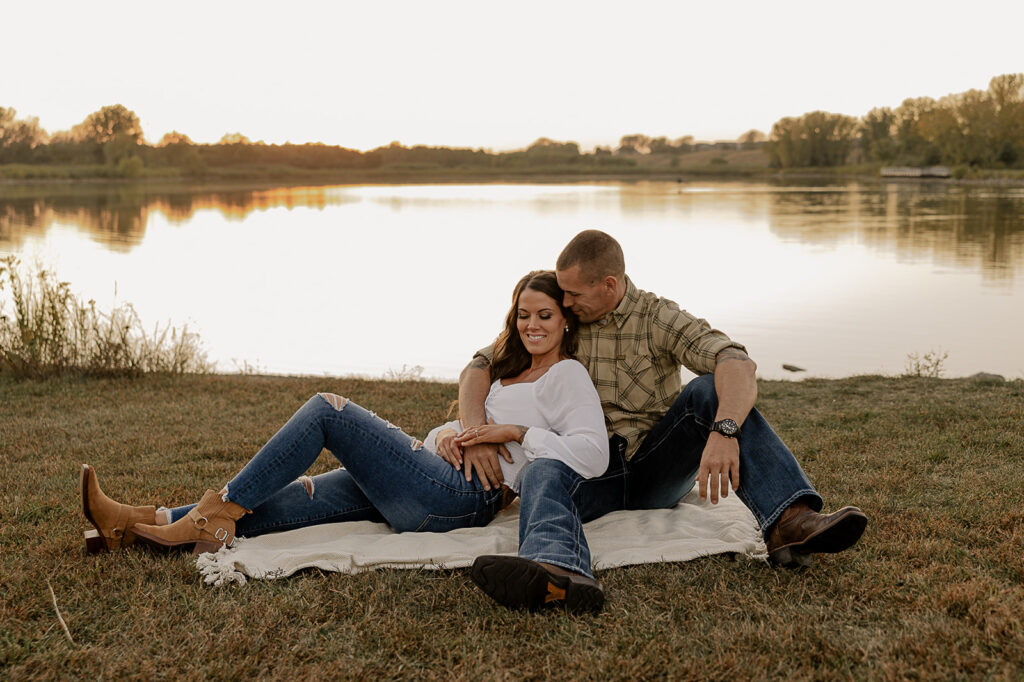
[45,330]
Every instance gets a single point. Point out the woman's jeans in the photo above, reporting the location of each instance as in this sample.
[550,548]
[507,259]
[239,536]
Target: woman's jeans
[387,476]
[556,501]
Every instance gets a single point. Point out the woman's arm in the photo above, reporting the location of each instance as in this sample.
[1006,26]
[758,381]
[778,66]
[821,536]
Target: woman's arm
[577,436]
[474,384]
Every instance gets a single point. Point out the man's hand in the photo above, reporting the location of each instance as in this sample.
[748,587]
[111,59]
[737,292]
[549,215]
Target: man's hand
[484,458]
[720,462]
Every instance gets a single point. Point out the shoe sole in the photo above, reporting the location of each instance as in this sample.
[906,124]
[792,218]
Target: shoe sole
[842,533]
[518,583]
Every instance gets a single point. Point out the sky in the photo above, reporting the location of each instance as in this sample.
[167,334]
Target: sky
[493,75]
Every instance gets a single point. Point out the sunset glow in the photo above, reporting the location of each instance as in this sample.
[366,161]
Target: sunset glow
[499,76]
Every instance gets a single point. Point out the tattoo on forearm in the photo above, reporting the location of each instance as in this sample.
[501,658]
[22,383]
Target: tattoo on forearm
[480,362]
[521,431]
[731,354]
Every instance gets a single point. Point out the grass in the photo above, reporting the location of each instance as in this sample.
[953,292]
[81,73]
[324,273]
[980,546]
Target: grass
[46,329]
[934,590]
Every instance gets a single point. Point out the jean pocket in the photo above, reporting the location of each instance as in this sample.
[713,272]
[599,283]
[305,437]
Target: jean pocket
[443,524]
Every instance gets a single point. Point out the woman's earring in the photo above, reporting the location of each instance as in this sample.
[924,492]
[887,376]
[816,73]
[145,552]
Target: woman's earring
[566,329]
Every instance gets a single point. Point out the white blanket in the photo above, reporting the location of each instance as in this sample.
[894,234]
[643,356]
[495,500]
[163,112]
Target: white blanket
[689,530]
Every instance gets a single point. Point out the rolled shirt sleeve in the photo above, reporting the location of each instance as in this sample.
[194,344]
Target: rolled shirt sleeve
[689,340]
[577,436]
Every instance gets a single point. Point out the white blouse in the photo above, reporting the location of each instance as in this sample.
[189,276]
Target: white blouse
[564,417]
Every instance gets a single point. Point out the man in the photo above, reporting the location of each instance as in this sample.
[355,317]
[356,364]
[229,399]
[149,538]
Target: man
[663,437]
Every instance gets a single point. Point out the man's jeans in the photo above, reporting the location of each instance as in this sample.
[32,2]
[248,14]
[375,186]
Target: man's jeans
[387,476]
[556,501]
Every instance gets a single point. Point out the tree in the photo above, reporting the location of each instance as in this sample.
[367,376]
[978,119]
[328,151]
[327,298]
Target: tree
[974,137]
[752,139]
[911,143]
[684,144]
[634,144]
[18,138]
[193,164]
[234,138]
[1007,93]
[174,137]
[661,145]
[547,146]
[876,134]
[107,124]
[818,138]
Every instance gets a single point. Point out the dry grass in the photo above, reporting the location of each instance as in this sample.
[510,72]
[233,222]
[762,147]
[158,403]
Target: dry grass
[45,330]
[933,591]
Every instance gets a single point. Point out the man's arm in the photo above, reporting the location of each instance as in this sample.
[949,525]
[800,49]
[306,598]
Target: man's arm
[474,385]
[736,386]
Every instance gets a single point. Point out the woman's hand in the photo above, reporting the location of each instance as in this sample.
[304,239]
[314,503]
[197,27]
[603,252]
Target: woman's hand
[448,449]
[491,433]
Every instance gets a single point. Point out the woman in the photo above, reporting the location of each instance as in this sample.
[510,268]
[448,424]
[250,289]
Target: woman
[542,405]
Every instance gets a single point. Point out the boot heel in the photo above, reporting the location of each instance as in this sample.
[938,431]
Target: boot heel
[202,547]
[94,542]
[789,558]
[801,560]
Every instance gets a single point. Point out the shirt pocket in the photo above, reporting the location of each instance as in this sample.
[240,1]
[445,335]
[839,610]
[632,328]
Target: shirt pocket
[636,383]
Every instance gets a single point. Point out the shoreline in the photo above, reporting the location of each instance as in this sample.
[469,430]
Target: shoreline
[474,176]
[399,378]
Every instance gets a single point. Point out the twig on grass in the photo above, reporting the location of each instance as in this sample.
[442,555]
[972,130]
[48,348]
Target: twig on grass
[60,619]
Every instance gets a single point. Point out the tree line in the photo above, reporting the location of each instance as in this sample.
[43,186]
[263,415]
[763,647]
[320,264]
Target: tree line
[981,128]
[973,128]
[112,138]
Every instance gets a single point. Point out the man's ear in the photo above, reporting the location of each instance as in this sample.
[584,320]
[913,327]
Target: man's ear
[610,283]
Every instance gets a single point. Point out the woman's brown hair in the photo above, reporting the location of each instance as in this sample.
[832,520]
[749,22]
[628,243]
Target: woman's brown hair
[510,355]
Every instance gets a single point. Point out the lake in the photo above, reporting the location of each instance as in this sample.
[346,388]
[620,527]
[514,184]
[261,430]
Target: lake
[837,278]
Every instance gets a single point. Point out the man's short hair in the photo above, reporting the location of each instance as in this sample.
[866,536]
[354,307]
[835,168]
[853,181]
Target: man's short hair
[596,253]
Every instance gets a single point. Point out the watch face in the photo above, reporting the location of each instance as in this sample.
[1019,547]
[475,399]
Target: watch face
[728,427]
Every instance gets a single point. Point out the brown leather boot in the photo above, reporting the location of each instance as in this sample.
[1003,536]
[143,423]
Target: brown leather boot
[114,522]
[801,531]
[208,526]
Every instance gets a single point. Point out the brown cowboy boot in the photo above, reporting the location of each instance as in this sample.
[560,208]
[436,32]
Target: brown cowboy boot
[208,526]
[800,532]
[114,522]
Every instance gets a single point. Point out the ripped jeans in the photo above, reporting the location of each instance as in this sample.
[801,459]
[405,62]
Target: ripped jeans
[387,476]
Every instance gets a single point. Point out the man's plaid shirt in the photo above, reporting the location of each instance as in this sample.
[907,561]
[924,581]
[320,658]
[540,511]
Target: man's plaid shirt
[634,354]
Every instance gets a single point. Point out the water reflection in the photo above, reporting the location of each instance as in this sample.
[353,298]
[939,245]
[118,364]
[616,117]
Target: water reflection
[117,217]
[963,226]
[948,226]
[836,277]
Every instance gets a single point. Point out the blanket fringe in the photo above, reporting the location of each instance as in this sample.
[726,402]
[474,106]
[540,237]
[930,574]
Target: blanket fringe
[218,569]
